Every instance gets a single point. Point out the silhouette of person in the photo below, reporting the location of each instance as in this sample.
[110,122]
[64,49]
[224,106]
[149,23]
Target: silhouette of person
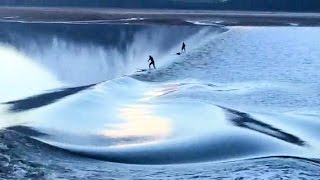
[183,48]
[151,62]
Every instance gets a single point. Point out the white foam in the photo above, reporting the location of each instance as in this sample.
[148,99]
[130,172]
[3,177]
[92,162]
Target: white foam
[82,64]
[133,19]
[206,23]
[293,24]
[20,76]
[10,17]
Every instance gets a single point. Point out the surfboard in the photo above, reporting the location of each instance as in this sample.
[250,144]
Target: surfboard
[142,70]
[145,70]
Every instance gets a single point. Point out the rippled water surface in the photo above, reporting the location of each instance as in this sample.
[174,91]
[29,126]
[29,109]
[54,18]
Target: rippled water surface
[241,103]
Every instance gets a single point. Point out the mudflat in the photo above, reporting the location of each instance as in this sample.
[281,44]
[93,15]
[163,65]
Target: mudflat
[140,16]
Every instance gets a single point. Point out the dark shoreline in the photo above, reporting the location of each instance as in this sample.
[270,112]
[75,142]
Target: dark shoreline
[175,17]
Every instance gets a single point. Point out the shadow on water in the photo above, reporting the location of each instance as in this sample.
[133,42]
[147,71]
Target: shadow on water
[43,99]
[244,120]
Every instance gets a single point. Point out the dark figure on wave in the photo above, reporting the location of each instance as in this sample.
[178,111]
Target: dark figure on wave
[151,62]
[183,48]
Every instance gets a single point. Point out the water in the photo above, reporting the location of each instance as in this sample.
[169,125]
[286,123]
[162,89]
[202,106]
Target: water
[242,103]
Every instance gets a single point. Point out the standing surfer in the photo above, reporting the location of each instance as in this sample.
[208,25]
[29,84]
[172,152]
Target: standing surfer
[183,48]
[151,62]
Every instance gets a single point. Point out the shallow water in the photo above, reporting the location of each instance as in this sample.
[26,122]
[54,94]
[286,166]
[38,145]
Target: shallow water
[241,103]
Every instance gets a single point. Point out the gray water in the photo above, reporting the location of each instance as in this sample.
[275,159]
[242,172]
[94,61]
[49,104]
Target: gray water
[242,103]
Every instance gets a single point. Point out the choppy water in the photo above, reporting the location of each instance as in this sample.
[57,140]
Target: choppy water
[242,103]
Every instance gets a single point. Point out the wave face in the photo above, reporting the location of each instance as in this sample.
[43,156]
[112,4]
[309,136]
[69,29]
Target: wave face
[240,98]
[83,54]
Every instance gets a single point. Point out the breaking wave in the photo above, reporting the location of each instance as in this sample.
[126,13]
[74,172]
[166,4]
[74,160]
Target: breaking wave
[82,94]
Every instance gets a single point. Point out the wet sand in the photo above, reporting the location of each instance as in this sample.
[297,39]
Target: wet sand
[142,16]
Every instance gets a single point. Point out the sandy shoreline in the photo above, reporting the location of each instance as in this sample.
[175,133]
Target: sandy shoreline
[138,16]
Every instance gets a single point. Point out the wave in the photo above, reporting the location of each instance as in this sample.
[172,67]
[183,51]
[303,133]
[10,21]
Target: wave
[168,157]
[130,121]
[26,156]
[77,57]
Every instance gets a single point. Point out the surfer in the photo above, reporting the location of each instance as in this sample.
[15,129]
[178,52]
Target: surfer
[151,62]
[183,48]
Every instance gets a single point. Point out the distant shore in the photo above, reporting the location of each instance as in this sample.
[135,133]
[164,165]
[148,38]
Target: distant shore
[142,16]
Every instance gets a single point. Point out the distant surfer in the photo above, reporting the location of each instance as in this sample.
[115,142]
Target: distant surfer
[183,48]
[151,62]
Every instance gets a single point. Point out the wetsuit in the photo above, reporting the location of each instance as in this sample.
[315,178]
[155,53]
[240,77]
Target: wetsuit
[151,62]
[183,49]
